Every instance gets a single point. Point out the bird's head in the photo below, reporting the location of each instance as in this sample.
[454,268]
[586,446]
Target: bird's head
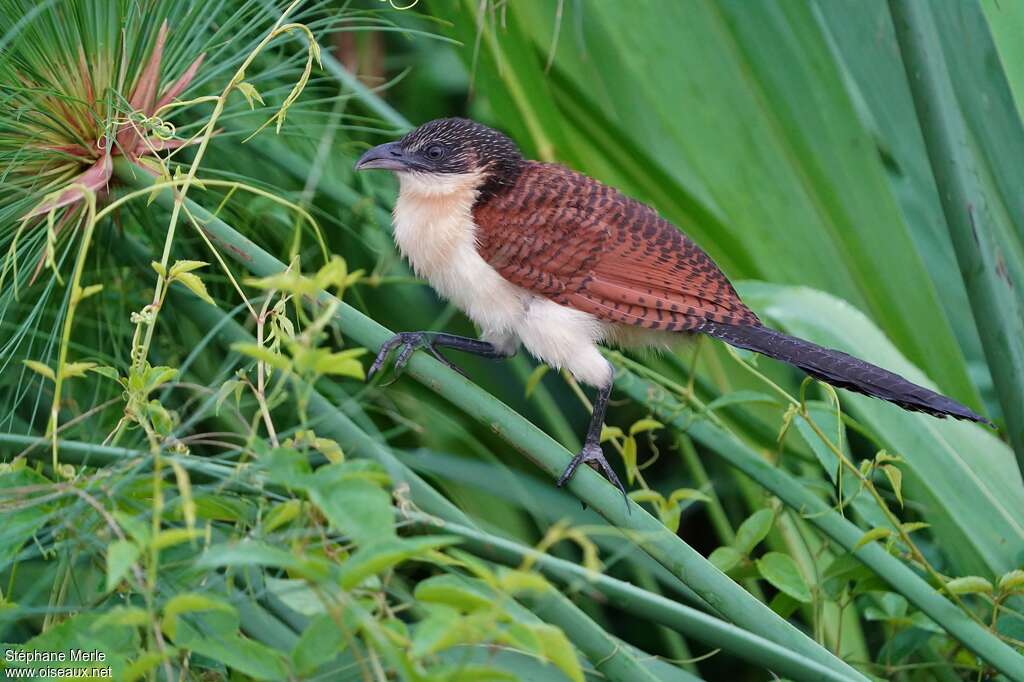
[448,153]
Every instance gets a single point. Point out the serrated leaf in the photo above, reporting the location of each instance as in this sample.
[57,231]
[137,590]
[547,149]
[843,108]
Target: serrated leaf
[871,536]
[725,558]
[971,584]
[121,554]
[195,285]
[895,477]
[753,530]
[40,368]
[182,266]
[782,572]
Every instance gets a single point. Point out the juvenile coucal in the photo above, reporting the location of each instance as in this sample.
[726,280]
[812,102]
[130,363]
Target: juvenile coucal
[538,254]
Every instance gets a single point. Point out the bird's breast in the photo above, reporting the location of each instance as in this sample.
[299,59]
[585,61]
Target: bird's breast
[437,235]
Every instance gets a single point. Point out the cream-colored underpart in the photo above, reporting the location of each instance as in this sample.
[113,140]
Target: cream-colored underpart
[434,230]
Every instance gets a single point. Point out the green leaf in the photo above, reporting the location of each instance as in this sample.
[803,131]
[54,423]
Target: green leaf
[559,651]
[356,507]
[191,602]
[895,477]
[195,285]
[121,554]
[725,558]
[40,368]
[185,266]
[378,556]
[642,425]
[753,530]
[782,572]
[871,536]
[1012,581]
[971,584]
[320,642]
[275,360]
[458,592]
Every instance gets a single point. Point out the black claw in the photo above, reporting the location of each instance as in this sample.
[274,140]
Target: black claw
[409,342]
[593,455]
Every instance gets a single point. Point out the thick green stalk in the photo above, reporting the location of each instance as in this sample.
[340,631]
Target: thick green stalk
[901,577]
[649,533]
[971,211]
[644,604]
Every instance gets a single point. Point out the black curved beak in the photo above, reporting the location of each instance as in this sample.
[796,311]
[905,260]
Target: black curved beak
[388,156]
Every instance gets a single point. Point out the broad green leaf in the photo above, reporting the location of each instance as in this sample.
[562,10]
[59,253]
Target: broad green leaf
[121,554]
[374,557]
[781,571]
[725,558]
[253,553]
[244,655]
[320,642]
[358,508]
[753,530]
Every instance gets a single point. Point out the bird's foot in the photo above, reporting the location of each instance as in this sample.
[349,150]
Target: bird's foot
[407,342]
[593,455]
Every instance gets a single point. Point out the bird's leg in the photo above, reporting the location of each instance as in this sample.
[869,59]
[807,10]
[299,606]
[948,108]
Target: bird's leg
[592,453]
[430,341]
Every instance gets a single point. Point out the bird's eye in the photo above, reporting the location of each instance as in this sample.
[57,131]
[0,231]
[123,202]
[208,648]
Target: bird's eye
[435,152]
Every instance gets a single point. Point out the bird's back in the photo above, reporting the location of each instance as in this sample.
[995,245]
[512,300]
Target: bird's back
[574,240]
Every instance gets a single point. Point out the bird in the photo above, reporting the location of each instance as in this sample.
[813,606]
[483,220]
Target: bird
[539,255]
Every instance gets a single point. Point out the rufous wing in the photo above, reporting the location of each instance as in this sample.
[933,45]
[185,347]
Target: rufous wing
[572,239]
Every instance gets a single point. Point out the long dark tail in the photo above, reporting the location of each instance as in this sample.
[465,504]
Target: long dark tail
[839,369]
